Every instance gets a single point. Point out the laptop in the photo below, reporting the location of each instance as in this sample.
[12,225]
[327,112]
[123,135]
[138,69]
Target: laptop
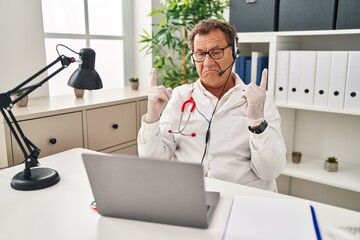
[150,190]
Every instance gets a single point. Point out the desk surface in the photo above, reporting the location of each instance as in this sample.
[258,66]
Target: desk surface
[63,211]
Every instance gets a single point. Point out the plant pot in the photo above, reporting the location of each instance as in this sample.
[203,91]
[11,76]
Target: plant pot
[134,85]
[23,102]
[79,93]
[331,167]
[296,159]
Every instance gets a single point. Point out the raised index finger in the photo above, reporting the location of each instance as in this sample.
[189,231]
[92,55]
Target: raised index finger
[153,80]
[264,77]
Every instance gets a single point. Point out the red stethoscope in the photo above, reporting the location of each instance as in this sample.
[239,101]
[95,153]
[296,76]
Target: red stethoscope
[180,130]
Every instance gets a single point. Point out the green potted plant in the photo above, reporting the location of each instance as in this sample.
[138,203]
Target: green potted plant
[23,102]
[134,82]
[331,164]
[168,45]
[296,156]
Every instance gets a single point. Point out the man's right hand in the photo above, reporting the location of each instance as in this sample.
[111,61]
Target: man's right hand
[157,99]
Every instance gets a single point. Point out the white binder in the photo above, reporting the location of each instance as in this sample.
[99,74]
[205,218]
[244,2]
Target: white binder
[282,74]
[352,92]
[294,78]
[307,79]
[339,60]
[322,78]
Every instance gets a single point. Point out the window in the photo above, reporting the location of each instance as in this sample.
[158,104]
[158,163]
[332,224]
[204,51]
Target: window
[101,25]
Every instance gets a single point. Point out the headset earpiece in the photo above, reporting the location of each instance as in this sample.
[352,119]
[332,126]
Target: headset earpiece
[236,51]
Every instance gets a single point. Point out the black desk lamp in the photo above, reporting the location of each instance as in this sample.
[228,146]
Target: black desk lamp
[85,77]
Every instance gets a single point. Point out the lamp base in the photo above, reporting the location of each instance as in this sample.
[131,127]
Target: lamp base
[40,178]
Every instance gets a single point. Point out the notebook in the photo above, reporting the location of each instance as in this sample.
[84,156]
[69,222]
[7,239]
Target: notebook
[150,190]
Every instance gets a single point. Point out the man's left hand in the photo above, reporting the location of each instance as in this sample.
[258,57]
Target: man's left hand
[255,97]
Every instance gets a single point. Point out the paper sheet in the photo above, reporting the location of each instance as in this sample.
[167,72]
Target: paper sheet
[270,218]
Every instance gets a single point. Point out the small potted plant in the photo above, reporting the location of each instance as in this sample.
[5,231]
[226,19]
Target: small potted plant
[134,82]
[331,164]
[23,102]
[296,156]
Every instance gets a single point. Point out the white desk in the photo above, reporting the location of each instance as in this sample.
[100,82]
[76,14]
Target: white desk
[63,211]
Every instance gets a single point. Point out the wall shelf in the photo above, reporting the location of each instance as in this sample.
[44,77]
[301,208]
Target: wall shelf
[312,169]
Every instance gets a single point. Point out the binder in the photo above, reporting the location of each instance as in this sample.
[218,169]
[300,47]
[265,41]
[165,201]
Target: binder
[307,77]
[282,76]
[240,67]
[352,92]
[247,78]
[262,63]
[339,60]
[253,217]
[322,78]
[254,64]
[238,64]
[294,78]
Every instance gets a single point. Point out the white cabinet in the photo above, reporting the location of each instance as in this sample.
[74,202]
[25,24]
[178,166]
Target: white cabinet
[104,120]
[318,132]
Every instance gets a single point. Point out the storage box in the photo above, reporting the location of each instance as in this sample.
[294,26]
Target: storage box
[348,14]
[254,15]
[307,15]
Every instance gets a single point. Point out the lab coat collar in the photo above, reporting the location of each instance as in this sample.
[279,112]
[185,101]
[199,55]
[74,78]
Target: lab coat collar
[231,99]
[203,100]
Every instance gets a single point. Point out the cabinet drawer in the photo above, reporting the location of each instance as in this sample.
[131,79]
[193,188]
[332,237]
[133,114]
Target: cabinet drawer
[143,107]
[51,134]
[110,126]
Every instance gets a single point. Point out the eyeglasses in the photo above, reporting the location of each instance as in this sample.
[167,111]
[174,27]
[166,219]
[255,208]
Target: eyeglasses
[215,54]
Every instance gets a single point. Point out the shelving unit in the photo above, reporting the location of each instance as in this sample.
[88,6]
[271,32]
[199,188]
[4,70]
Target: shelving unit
[317,132]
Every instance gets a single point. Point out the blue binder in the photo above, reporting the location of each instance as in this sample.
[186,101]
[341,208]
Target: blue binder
[262,62]
[240,67]
[247,77]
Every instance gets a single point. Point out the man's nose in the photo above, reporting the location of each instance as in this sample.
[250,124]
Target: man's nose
[208,59]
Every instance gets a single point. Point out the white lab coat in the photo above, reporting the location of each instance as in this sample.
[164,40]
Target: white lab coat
[233,153]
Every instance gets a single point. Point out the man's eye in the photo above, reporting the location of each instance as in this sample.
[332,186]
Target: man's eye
[215,53]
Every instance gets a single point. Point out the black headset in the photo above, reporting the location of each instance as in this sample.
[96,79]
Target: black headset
[236,50]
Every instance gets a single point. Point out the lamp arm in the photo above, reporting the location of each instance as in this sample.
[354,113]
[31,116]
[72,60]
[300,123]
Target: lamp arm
[65,62]
[34,152]
[31,152]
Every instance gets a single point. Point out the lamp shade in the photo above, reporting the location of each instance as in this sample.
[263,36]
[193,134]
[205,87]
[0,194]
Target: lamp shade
[86,77]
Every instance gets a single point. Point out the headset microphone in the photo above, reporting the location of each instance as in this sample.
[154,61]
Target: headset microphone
[223,71]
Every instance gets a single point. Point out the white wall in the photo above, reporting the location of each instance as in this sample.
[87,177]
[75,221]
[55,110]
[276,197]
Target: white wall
[22,45]
[142,62]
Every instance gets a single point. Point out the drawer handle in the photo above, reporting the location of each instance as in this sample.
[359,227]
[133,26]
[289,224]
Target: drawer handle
[53,140]
[115,126]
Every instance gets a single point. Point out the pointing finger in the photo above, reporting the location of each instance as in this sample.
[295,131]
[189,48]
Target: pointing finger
[153,80]
[264,79]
